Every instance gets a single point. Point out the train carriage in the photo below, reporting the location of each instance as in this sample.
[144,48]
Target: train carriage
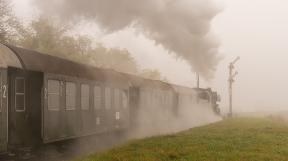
[48,104]
[45,99]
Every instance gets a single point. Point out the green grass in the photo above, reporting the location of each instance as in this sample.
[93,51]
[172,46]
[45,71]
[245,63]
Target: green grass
[240,139]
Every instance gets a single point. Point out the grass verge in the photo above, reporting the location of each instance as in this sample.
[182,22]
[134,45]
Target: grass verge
[239,139]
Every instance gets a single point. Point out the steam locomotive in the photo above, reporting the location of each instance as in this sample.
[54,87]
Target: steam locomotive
[46,99]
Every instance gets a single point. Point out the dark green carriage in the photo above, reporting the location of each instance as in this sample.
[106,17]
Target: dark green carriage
[48,104]
[45,99]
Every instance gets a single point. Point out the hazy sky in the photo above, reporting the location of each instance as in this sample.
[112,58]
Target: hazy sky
[255,30]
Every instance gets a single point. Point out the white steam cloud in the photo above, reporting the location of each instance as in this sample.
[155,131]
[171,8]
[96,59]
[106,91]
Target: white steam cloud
[180,26]
[158,117]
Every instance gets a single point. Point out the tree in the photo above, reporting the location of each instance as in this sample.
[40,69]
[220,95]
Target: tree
[117,59]
[44,35]
[10,26]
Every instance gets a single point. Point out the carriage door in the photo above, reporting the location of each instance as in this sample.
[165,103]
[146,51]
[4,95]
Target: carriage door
[3,113]
[53,110]
[19,129]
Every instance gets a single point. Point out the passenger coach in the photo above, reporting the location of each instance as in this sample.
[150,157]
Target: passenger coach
[51,99]
[45,99]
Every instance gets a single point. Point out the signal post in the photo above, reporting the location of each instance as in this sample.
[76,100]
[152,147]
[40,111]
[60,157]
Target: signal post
[231,80]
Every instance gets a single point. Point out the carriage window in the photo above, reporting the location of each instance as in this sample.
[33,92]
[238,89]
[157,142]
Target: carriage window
[158,97]
[98,120]
[97,97]
[20,94]
[168,99]
[70,96]
[163,98]
[148,98]
[53,95]
[163,102]
[124,100]
[85,97]
[117,98]
[117,115]
[153,97]
[171,99]
[108,98]
[143,97]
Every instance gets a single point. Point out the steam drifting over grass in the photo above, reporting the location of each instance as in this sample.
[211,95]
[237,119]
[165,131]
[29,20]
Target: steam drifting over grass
[235,139]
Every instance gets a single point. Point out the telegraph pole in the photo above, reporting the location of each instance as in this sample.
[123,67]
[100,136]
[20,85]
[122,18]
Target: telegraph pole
[231,80]
[197,85]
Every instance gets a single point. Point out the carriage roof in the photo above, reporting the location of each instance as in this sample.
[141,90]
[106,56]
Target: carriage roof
[30,60]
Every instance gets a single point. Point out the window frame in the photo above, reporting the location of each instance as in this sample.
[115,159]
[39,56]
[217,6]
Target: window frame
[124,99]
[98,121]
[117,116]
[110,97]
[97,106]
[117,98]
[21,94]
[50,93]
[75,95]
[81,96]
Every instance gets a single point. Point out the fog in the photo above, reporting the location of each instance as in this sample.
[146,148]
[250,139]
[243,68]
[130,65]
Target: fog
[255,30]
[155,117]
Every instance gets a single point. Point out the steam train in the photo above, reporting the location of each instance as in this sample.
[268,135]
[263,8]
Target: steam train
[46,99]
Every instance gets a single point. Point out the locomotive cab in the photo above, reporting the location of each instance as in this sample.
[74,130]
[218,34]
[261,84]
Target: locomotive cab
[209,96]
[204,96]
